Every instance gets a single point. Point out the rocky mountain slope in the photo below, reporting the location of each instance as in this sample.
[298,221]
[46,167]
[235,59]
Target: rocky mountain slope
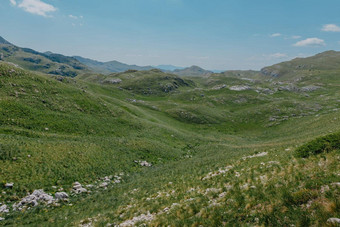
[49,63]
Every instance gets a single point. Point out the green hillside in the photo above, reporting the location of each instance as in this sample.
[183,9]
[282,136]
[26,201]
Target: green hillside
[157,149]
[301,67]
[49,63]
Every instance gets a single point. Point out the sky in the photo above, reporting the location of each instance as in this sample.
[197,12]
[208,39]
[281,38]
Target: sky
[213,34]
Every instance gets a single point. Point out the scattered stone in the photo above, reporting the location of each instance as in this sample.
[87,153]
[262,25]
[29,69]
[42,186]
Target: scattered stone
[87,222]
[336,184]
[324,189]
[256,155]
[218,87]
[4,209]
[1,219]
[104,185]
[309,88]
[274,163]
[219,172]
[290,87]
[212,190]
[9,185]
[141,218]
[108,179]
[239,88]
[61,195]
[78,188]
[335,221]
[143,163]
[113,81]
[34,199]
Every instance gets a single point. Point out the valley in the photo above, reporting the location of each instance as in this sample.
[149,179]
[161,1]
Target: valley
[146,146]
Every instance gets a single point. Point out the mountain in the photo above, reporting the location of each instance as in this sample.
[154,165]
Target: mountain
[48,62]
[150,148]
[299,67]
[192,71]
[109,67]
[4,41]
[168,67]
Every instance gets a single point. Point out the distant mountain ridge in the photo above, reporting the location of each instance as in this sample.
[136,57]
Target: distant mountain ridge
[192,71]
[168,67]
[50,63]
[109,67]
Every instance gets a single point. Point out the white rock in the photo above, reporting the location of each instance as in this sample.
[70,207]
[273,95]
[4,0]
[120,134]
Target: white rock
[103,185]
[107,179]
[9,185]
[256,155]
[80,190]
[239,88]
[145,163]
[61,195]
[335,221]
[3,209]
[34,199]
[141,218]
[1,219]
[76,185]
[336,184]
[324,189]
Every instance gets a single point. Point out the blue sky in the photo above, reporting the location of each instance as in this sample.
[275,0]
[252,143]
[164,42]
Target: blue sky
[214,34]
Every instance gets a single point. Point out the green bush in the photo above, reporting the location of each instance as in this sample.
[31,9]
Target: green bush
[300,197]
[319,145]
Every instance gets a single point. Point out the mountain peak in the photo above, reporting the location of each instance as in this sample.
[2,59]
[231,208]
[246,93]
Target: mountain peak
[4,41]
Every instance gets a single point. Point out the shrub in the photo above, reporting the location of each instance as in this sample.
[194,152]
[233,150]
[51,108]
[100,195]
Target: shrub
[319,145]
[300,197]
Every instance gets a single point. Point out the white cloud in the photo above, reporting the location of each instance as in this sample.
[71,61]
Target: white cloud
[73,17]
[278,55]
[276,35]
[37,7]
[296,37]
[310,42]
[13,2]
[331,28]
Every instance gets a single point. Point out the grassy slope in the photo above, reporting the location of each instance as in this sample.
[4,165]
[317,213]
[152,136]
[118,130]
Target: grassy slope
[95,130]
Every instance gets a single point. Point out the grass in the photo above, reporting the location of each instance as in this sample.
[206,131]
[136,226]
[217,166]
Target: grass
[55,131]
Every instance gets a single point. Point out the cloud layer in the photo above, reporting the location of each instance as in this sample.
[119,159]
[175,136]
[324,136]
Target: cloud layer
[36,7]
[331,28]
[310,42]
